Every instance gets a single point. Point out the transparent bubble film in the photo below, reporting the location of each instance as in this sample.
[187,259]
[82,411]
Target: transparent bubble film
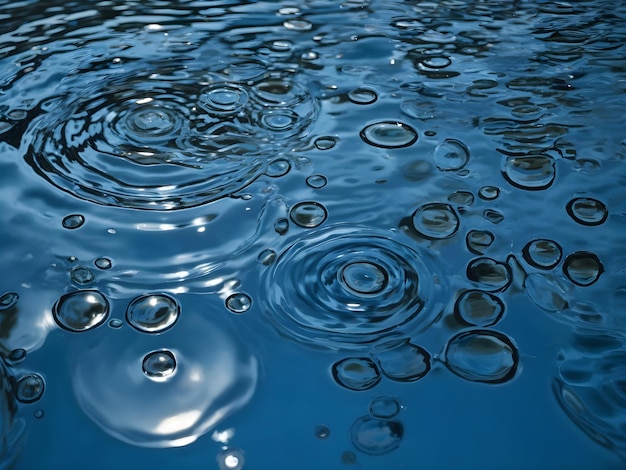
[277,235]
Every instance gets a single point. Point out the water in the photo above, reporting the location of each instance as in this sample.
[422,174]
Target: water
[312,235]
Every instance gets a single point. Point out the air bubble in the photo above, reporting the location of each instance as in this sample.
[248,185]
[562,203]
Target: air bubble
[533,172]
[298,25]
[231,459]
[376,436]
[281,226]
[81,275]
[321,431]
[277,168]
[73,221]
[436,221]
[451,155]
[81,310]
[266,257]
[8,301]
[482,356]
[116,323]
[404,362]
[362,96]
[583,268]
[493,216]
[389,134]
[384,407]
[478,241]
[17,355]
[356,373]
[153,313]
[325,142]
[461,198]
[29,388]
[308,214]
[542,254]
[316,181]
[489,193]
[587,211]
[478,308]
[490,274]
[38,414]
[364,277]
[238,303]
[103,263]
[159,365]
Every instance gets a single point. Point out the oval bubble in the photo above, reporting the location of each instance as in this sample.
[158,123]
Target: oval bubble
[81,310]
[29,388]
[308,214]
[533,172]
[490,274]
[436,221]
[482,356]
[403,362]
[266,257]
[362,96]
[583,268]
[542,253]
[478,308]
[356,373]
[8,301]
[82,275]
[316,181]
[375,436]
[384,407]
[587,211]
[451,155]
[73,221]
[389,134]
[103,263]
[159,365]
[153,313]
[238,303]
[478,241]
[489,193]
[325,142]
[461,198]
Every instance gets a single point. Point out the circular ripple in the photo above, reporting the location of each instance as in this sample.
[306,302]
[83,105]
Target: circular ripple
[343,287]
[153,313]
[163,391]
[587,211]
[436,221]
[81,310]
[533,172]
[389,134]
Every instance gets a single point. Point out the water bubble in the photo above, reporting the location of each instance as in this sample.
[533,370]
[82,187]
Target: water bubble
[451,155]
[482,356]
[364,277]
[81,310]
[542,254]
[362,96]
[384,407]
[461,198]
[325,142]
[223,98]
[17,355]
[478,308]
[38,414]
[231,459]
[533,172]
[29,388]
[153,313]
[266,257]
[490,274]
[493,216]
[277,168]
[159,365]
[404,362]
[316,181]
[478,241]
[81,275]
[436,221]
[238,303]
[103,263]
[73,221]
[434,62]
[116,323]
[321,431]
[587,211]
[489,193]
[583,268]
[8,301]
[356,373]
[430,133]
[298,25]
[308,214]
[389,134]
[376,436]
[281,226]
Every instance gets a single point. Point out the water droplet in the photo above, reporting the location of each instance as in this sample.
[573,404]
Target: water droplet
[238,303]
[8,301]
[281,226]
[103,263]
[583,268]
[542,254]
[81,310]
[587,211]
[266,257]
[325,142]
[277,168]
[159,365]
[29,388]
[364,277]
[316,181]
[489,193]
[490,274]
[389,134]
[436,221]
[356,373]
[533,172]
[17,355]
[482,356]
[493,216]
[321,431]
[73,221]
[116,323]
[308,214]
[461,198]
[451,155]
[223,98]
[430,133]
[478,308]
[297,25]
[153,313]
[81,275]
[478,241]
[231,459]
[404,362]
[376,436]
[362,96]
[384,407]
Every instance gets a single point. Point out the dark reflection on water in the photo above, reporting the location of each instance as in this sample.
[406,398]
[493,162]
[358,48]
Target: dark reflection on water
[238,227]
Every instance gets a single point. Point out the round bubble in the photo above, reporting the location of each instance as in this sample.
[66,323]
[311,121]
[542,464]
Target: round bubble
[461,198]
[362,96]
[163,390]
[325,142]
[587,211]
[583,268]
[384,407]
[231,459]
[17,355]
[153,313]
[238,303]
[478,241]
[308,214]
[490,274]
[29,388]
[277,168]
[403,362]
[81,310]
[73,221]
[489,193]
[81,275]
[316,181]
[532,172]
[478,308]
[8,301]
[482,356]
[321,431]
[356,373]
[375,436]
[389,134]
[364,277]
[103,263]
[436,221]
[451,155]
[542,253]
[281,226]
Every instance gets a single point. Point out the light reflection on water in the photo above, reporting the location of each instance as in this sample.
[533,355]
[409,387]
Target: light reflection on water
[262,218]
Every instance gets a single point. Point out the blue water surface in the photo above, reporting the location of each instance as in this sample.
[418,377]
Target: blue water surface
[312,235]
